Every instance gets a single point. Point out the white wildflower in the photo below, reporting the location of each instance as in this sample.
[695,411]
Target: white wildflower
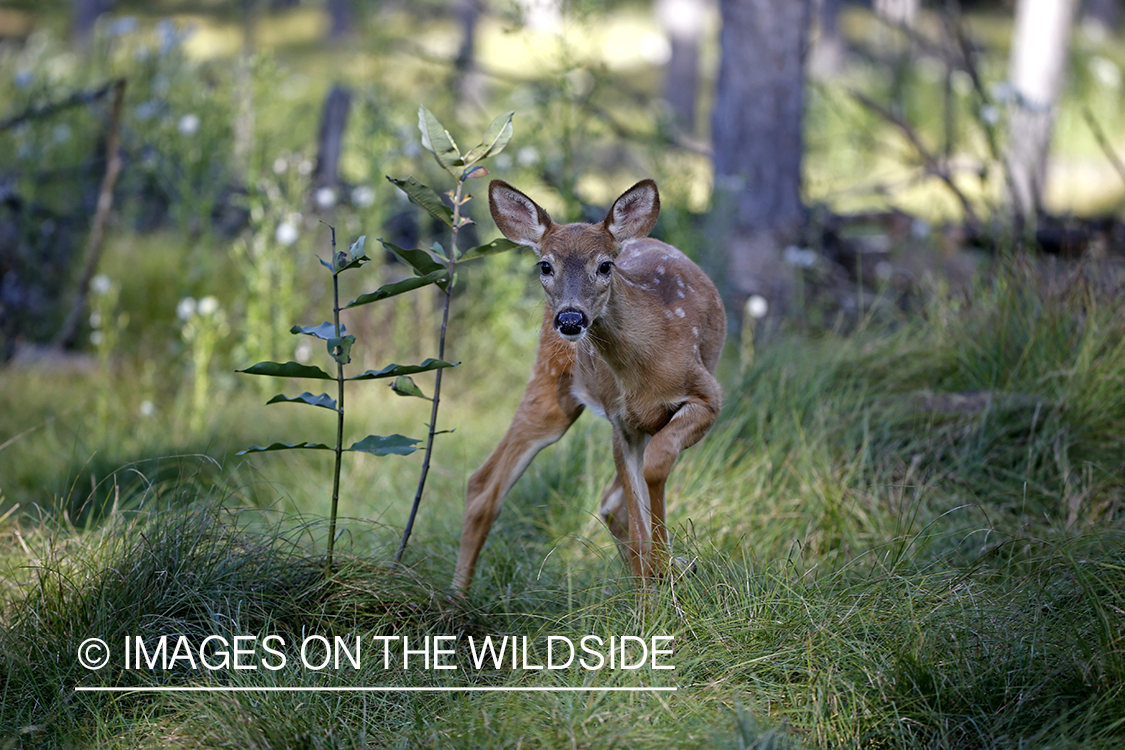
[209,305]
[363,196]
[185,310]
[1106,71]
[325,197]
[286,233]
[189,125]
[756,306]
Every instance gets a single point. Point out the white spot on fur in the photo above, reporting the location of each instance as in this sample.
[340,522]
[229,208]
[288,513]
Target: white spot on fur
[680,292]
[679,281]
[667,313]
[660,270]
[695,332]
[680,312]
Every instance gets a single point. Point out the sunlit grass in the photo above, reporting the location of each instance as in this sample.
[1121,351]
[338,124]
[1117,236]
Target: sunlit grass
[881,557]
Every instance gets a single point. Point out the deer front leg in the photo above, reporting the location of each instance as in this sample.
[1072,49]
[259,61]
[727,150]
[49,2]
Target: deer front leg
[629,457]
[544,415]
[615,515]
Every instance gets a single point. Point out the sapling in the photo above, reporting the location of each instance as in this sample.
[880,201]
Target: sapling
[433,265]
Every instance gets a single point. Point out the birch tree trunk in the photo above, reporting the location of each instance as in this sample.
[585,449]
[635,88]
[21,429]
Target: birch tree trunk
[1040,45]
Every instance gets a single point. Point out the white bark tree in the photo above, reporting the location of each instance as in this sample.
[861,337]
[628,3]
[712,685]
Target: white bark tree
[898,12]
[1040,46]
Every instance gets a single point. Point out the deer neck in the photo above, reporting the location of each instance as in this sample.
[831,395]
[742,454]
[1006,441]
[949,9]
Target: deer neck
[623,335]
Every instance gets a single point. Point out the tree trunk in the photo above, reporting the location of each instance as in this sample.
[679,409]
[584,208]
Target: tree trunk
[244,94]
[86,13]
[1040,44]
[898,12]
[340,14]
[829,52]
[333,122]
[1104,15]
[682,21]
[756,134]
[468,82]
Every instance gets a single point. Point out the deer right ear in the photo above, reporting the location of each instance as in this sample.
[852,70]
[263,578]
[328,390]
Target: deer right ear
[519,218]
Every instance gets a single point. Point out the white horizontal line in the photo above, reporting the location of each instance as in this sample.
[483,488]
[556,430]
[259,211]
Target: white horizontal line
[402,689]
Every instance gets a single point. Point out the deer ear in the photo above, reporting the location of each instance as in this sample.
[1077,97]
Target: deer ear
[519,218]
[634,214]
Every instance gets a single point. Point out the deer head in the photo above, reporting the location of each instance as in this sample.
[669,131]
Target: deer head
[576,261]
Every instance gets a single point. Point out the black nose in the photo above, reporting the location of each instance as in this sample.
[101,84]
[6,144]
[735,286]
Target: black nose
[571,322]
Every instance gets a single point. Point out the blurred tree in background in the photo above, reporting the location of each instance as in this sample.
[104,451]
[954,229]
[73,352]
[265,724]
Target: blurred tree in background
[756,131]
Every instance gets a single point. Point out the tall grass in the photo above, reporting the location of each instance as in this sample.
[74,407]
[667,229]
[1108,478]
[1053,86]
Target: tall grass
[911,537]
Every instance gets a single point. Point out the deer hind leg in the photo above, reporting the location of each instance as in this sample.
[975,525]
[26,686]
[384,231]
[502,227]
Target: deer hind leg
[687,426]
[546,412]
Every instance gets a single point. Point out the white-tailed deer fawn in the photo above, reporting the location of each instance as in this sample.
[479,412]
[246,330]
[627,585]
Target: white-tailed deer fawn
[633,330]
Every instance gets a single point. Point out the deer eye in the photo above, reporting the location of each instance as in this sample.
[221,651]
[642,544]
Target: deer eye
[545,268]
[605,267]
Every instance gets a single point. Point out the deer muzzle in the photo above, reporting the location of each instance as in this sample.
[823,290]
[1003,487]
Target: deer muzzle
[571,324]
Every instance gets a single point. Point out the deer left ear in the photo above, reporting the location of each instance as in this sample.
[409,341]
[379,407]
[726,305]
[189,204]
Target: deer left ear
[634,214]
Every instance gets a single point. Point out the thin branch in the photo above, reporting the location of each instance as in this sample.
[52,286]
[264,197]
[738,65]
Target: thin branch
[78,98]
[1103,142]
[933,164]
[339,410]
[94,240]
[436,400]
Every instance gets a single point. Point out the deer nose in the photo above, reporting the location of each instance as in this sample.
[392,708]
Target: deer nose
[571,322]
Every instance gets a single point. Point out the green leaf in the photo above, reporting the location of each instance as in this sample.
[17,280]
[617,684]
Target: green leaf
[341,349]
[346,265]
[287,370]
[399,287]
[324,401]
[354,258]
[393,371]
[404,386]
[500,245]
[426,197]
[379,445]
[323,331]
[286,447]
[438,141]
[422,261]
[355,252]
[497,136]
[438,252]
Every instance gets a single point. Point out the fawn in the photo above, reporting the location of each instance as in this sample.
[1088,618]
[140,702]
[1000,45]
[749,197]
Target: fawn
[632,330]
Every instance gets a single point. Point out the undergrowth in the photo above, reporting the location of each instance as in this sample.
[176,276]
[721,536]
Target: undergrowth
[911,537]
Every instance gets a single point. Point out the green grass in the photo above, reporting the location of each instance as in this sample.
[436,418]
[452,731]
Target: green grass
[911,537]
